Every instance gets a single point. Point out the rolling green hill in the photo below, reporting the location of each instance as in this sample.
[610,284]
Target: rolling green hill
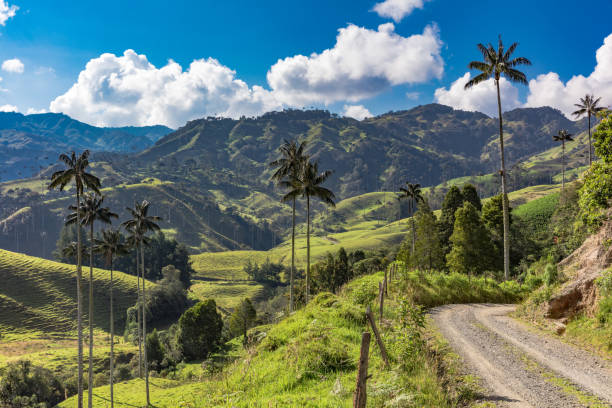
[39,296]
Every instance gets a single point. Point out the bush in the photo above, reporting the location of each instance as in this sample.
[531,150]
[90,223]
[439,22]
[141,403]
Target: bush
[200,329]
[23,385]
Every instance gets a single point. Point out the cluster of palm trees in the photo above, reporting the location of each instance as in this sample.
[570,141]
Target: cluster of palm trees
[89,209]
[498,63]
[300,177]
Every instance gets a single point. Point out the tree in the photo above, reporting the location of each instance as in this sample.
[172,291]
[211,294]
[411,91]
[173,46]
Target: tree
[563,136]
[588,106]
[76,172]
[290,165]
[471,243]
[242,319]
[67,237]
[470,194]
[155,349]
[109,246]
[428,252]
[89,211]
[142,223]
[493,218]
[453,200]
[414,195]
[309,184]
[24,385]
[498,63]
[200,330]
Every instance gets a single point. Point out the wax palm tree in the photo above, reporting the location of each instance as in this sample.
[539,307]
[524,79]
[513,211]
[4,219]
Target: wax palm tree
[76,173]
[498,63]
[89,212]
[413,193]
[309,184]
[562,136]
[109,246]
[588,106]
[142,223]
[289,165]
[70,251]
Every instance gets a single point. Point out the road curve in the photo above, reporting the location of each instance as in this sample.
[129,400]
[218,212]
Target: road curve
[518,367]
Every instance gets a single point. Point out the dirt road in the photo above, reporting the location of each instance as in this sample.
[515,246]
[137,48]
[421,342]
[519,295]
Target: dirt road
[519,367]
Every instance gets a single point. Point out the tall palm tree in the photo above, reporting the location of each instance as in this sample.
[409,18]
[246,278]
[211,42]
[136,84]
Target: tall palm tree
[142,223]
[562,136]
[110,246]
[76,173]
[588,106]
[88,213]
[289,164]
[133,242]
[309,184]
[498,63]
[414,195]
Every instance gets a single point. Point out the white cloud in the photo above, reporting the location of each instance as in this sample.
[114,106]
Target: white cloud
[33,111]
[358,112]
[481,97]
[128,90]
[361,64]
[6,11]
[397,9]
[8,108]
[13,65]
[549,90]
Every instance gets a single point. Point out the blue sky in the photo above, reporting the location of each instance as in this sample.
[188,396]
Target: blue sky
[55,41]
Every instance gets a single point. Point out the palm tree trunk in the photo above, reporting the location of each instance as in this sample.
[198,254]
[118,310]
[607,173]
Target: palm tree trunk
[292,259]
[138,317]
[79,306]
[504,190]
[563,165]
[144,324]
[413,228]
[307,247]
[112,335]
[91,309]
[590,159]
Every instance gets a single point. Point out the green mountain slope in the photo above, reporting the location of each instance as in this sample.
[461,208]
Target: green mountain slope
[39,296]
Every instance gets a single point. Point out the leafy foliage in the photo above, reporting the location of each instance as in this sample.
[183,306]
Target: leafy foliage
[200,330]
[472,249]
[242,319]
[25,386]
[267,271]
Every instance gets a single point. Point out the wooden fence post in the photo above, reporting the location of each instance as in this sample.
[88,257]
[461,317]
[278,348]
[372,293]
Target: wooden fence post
[381,346]
[381,299]
[386,284]
[359,399]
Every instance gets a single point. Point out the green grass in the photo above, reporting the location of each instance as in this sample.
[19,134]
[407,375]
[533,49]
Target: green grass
[536,214]
[227,294]
[309,359]
[38,295]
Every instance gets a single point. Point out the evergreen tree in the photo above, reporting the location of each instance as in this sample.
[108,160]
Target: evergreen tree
[428,252]
[243,319]
[471,243]
[470,194]
[453,200]
[200,330]
[493,218]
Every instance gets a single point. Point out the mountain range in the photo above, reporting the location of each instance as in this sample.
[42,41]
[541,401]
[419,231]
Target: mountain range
[210,179]
[31,142]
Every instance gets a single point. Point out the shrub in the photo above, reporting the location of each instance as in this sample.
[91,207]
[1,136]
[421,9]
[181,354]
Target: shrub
[200,330]
[24,385]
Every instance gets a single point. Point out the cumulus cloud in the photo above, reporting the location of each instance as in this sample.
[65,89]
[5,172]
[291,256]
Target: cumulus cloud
[6,11]
[33,111]
[358,112]
[13,65]
[362,63]
[549,90]
[129,90]
[8,108]
[481,98]
[397,9]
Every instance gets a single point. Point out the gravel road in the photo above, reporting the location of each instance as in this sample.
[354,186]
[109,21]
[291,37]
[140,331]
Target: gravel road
[517,366]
